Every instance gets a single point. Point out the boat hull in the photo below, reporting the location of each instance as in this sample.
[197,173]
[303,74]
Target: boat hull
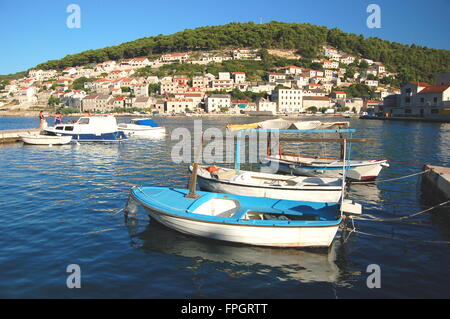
[182,216]
[140,131]
[364,172]
[249,235]
[102,137]
[313,194]
[45,140]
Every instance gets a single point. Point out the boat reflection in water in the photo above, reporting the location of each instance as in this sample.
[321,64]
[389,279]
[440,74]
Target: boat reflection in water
[284,264]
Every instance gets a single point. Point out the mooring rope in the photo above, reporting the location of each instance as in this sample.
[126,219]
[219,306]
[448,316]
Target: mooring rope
[403,217]
[354,230]
[398,239]
[392,179]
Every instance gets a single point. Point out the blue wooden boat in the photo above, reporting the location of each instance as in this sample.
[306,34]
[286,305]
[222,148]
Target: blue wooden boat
[241,219]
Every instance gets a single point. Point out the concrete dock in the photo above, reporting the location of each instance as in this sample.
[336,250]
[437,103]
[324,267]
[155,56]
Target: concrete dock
[12,136]
[437,181]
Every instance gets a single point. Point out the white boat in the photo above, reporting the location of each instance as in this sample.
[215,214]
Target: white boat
[40,139]
[246,183]
[326,167]
[90,129]
[303,165]
[142,128]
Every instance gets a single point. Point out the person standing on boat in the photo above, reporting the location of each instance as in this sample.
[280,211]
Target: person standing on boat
[42,121]
[58,118]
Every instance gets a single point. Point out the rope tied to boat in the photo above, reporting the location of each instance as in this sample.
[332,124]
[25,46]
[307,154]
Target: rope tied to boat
[404,217]
[398,239]
[392,179]
[354,230]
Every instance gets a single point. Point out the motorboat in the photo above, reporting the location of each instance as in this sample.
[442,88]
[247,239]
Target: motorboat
[241,219]
[142,128]
[260,184]
[41,139]
[90,129]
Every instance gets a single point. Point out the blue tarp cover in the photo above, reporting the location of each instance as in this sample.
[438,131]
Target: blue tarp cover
[147,122]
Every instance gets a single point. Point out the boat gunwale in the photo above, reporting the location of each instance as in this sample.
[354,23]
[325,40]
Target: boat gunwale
[318,166]
[233,221]
[290,188]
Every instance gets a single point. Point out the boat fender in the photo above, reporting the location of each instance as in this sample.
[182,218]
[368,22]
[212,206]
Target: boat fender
[351,208]
[212,169]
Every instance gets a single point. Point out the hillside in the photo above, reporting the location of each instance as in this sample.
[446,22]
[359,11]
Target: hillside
[411,62]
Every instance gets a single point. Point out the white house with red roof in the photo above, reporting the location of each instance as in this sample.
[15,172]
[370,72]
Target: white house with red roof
[420,99]
[339,95]
[294,70]
[239,77]
[174,57]
[328,64]
[70,71]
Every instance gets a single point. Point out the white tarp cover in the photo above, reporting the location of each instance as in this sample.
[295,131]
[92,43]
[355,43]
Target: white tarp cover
[282,124]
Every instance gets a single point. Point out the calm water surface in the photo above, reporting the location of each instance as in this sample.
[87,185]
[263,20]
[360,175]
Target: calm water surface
[58,206]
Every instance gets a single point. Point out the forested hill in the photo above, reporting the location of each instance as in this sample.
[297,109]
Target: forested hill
[412,62]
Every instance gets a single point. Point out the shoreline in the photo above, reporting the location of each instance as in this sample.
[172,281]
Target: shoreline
[36,113]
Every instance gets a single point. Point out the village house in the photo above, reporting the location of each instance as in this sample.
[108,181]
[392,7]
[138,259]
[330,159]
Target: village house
[327,64]
[26,95]
[215,102]
[138,63]
[200,81]
[239,77]
[420,99]
[354,104]
[196,98]
[117,74]
[222,84]
[288,100]
[347,59]
[372,106]
[174,57]
[73,99]
[143,102]
[293,70]
[42,75]
[152,79]
[273,76]
[371,83]
[70,71]
[245,55]
[265,105]
[139,89]
[119,102]
[97,103]
[338,95]
[176,106]
[331,53]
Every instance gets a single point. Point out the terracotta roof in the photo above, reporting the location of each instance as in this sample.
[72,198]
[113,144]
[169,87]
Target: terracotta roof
[434,89]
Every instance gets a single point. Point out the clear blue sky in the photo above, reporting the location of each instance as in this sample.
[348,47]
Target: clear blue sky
[35,31]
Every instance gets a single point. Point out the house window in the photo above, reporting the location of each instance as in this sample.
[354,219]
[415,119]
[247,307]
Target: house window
[407,99]
[422,100]
[435,100]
